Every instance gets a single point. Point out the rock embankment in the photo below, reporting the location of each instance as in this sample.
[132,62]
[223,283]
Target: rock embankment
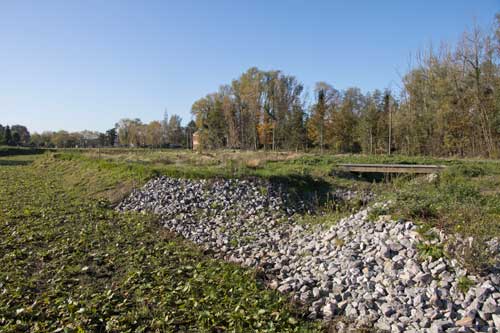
[368,273]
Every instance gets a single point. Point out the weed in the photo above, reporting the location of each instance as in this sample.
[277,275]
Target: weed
[375,212]
[435,251]
[464,284]
[264,191]
[339,242]
[215,205]
[329,218]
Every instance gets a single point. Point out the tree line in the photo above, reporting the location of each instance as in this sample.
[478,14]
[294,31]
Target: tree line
[127,133]
[14,136]
[19,135]
[449,104]
[166,133]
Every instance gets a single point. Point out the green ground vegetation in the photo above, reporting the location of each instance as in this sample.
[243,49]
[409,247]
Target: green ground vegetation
[464,200]
[70,263]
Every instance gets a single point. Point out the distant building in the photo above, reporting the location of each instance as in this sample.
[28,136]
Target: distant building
[196,140]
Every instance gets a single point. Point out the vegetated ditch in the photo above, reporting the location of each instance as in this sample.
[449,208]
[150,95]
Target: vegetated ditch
[369,270]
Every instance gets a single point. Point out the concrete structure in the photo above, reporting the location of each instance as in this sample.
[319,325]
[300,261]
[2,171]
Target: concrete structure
[196,140]
[392,168]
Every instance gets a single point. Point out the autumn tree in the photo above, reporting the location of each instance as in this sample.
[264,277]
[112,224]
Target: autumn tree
[175,132]
[153,134]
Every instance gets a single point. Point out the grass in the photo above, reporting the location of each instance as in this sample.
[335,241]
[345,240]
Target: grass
[464,284]
[435,251]
[375,212]
[303,176]
[70,263]
[329,218]
[464,201]
[11,151]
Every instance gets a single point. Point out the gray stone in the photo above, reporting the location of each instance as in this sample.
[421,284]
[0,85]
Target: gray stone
[375,277]
[316,292]
[423,278]
[385,251]
[328,310]
[397,328]
[419,300]
[383,325]
[284,288]
[387,309]
[439,269]
[482,293]
[490,306]
[351,311]
[496,320]
[313,315]
[440,326]
[425,322]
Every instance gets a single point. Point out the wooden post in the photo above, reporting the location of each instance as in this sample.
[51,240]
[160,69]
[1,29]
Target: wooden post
[390,127]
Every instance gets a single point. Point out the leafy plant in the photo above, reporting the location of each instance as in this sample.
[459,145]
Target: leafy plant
[375,212]
[464,284]
[435,251]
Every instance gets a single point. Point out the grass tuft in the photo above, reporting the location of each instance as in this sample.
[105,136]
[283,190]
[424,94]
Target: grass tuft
[464,284]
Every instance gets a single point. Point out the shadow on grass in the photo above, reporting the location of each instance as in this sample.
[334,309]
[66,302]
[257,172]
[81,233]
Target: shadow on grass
[297,188]
[369,177]
[13,151]
[14,162]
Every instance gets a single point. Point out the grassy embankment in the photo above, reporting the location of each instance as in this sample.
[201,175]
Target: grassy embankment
[70,263]
[464,200]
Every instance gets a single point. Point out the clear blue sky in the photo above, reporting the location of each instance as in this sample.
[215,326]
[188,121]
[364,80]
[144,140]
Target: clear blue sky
[78,65]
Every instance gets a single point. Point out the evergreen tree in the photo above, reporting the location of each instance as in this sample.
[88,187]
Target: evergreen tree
[111,137]
[317,120]
[2,135]
[16,139]
[7,136]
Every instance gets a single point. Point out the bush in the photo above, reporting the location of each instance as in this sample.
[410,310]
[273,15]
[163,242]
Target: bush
[464,170]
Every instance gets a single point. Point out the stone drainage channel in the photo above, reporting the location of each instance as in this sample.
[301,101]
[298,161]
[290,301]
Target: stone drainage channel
[368,273]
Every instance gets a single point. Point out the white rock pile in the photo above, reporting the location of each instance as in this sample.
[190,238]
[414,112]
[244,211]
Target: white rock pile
[369,274]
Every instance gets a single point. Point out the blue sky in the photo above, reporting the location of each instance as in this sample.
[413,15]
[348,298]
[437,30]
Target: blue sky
[78,65]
